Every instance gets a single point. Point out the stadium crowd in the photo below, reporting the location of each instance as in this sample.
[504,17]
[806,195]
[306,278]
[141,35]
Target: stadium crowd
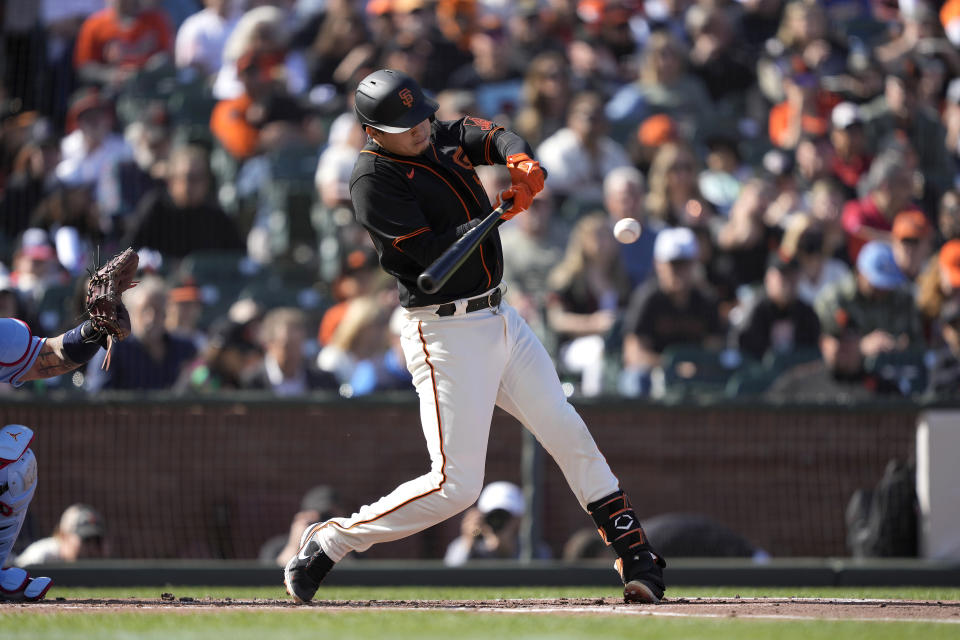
[794,167]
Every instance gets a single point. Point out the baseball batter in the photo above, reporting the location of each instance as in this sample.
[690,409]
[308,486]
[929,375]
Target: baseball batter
[415,190]
[25,357]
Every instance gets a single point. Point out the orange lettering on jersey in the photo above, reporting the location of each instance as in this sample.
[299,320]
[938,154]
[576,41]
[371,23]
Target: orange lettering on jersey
[406,97]
[485,125]
[461,159]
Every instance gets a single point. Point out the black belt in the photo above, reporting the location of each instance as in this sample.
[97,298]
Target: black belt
[473,304]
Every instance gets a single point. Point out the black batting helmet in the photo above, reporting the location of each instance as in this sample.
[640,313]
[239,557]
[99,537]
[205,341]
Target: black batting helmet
[392,101]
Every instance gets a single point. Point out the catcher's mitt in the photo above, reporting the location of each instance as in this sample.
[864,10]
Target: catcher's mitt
[108,317]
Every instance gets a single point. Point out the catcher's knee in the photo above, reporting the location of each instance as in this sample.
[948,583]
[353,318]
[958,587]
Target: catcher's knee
[18,480]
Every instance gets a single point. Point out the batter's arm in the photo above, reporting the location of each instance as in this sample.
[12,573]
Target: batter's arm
[486,142]
[394,219]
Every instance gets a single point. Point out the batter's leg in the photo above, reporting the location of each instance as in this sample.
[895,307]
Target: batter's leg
[456,364]
[531,391]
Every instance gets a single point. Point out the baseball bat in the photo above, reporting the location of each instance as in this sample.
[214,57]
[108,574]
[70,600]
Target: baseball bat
[437,274]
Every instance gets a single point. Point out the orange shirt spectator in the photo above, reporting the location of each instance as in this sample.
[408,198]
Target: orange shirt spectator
[229,124]
[106,38]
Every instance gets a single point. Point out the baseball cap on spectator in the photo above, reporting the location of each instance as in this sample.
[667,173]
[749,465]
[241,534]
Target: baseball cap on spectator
[911,225]
[845,115]
[949,260]
[186,292]
[675,243]
[502,495]
[777,163]
[82,520]
[656,130]
[876,263]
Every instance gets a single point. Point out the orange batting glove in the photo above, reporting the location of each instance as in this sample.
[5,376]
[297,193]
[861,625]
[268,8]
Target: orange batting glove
[526,171]
[522,199]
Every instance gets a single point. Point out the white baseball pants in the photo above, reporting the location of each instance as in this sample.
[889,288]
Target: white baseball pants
[463,365]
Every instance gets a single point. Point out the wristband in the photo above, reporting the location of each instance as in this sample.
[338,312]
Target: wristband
[82,342]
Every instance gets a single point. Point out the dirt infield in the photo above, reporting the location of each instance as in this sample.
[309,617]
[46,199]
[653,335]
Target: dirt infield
[766,608]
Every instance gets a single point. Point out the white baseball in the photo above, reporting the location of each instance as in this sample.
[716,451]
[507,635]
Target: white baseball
[626,230]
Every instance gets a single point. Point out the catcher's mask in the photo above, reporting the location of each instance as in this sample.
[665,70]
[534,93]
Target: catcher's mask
[391,101]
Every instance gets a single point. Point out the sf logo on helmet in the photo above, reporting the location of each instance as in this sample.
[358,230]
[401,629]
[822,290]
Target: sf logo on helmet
[406,96]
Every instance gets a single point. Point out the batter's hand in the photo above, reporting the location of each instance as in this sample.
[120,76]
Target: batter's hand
[522,199]
[526,171]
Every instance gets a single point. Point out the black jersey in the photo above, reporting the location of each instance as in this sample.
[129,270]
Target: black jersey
[414,207]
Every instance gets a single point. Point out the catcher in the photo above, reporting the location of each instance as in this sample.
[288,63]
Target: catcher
[24,357]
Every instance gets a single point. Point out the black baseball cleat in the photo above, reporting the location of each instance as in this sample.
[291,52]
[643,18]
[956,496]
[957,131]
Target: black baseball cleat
[642,577]
[305,571]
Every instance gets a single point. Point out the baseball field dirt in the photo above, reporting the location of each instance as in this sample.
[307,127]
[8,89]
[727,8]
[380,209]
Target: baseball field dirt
[732,607]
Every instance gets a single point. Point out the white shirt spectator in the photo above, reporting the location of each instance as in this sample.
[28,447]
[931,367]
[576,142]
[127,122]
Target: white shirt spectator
[200,41]
[571,169]
[80,165]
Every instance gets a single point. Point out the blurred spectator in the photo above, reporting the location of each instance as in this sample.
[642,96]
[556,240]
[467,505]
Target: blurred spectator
[652,133]
[745,240]
[184,308]
[359,276]
[385,370]
[360,334]
[69,215]
[35,152]
[588,290]
[825,201]
[493,74]
[532,245]
[261,31]
[920,37]
[230,354]
[90,147]
[115,43]
[951,122]
[35,267]
[264,116]
[804,240]
[127,179]
[898,113]
[948,216]
[912,242]
[716,56]
[151,358]
[285,369]
[491,529]
[319,504]
[14,305]
[802,40]
[673,195]
[944,372]
[202,36]
[776,321]
[850,160]
[581,154]
[838,376]
[546,94]
[803,112]
[183,216]
[80,534]
[623,197]
[724,174]
[339,38]
[664,86]
[888,191]
[874,302]
[669,310]
[530,37]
